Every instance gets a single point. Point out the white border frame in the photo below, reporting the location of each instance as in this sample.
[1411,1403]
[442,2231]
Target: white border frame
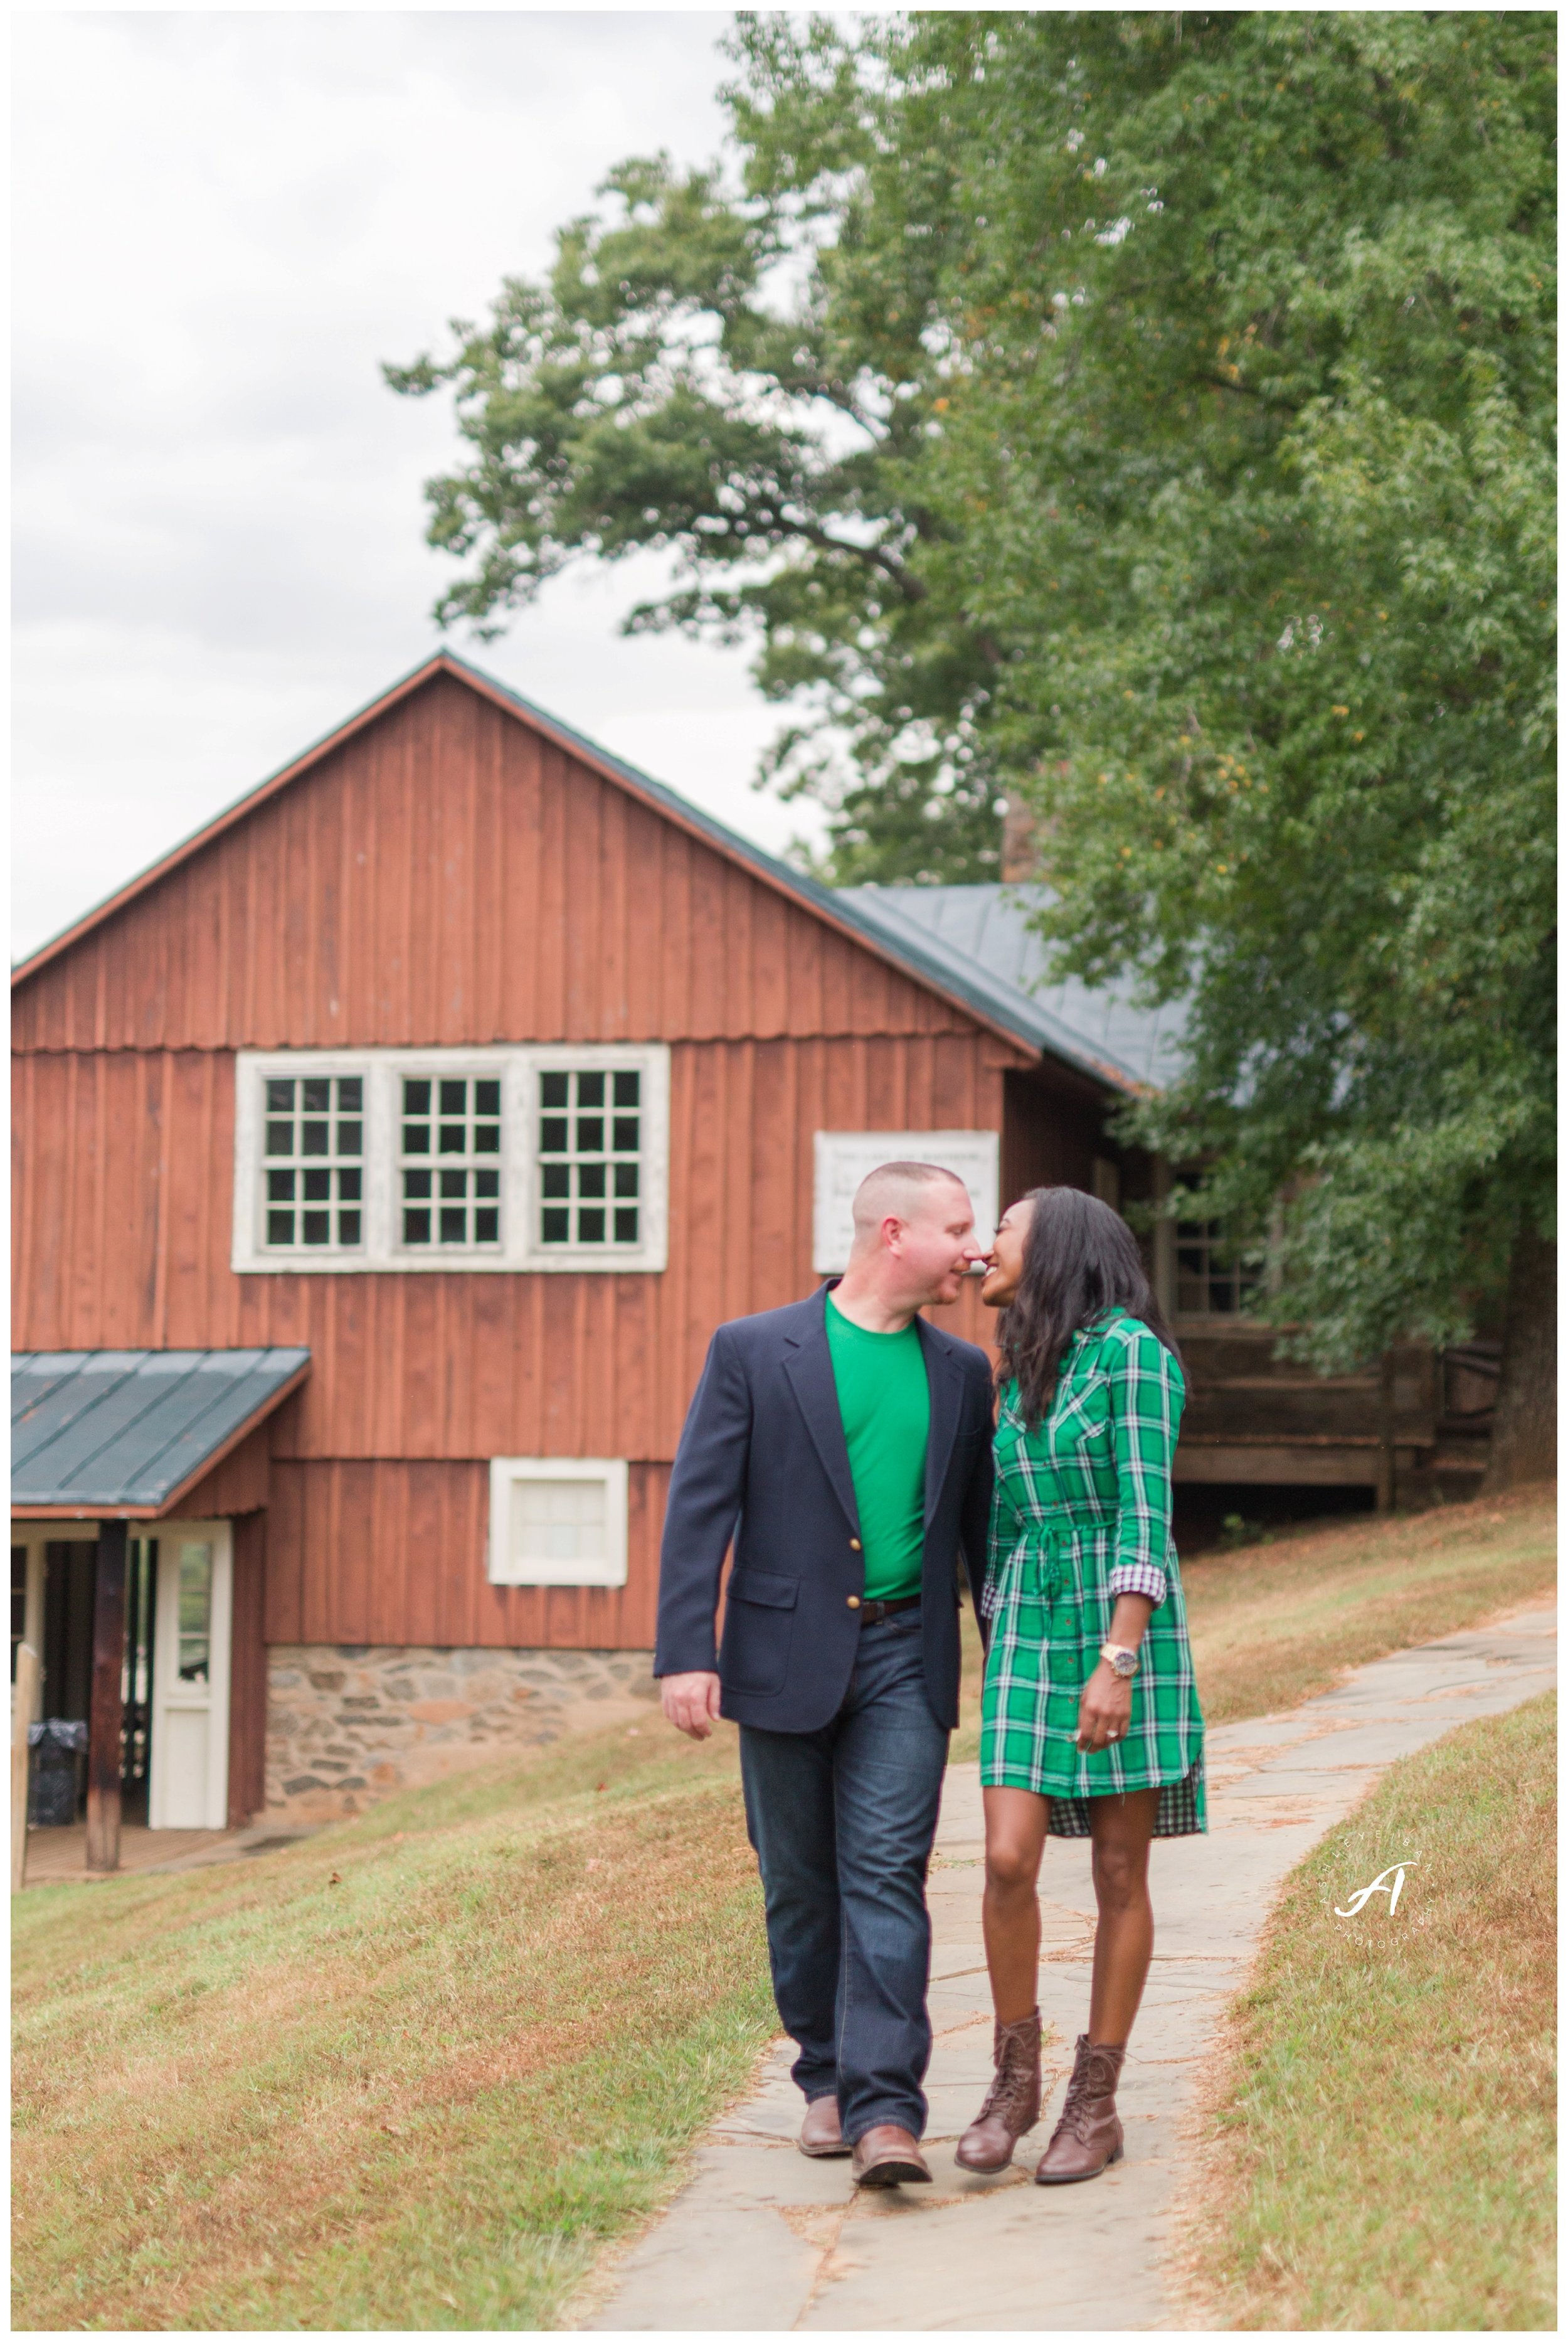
[614,1474]
[972,1156]
[519,1251]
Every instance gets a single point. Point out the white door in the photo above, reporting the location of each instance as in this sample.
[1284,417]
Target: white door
[190,1771]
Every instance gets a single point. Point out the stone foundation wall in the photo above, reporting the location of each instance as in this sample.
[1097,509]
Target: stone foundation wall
[347,1724]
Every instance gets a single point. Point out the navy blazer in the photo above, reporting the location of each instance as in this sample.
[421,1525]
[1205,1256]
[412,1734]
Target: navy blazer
[762,1462]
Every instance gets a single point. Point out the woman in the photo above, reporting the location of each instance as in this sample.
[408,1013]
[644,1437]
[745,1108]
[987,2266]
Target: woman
[1089,1724]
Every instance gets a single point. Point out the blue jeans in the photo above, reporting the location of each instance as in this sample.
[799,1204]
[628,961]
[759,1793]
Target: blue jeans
[842,1820]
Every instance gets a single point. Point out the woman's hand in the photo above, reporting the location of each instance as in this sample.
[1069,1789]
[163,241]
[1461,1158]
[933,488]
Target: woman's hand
[1105,1710]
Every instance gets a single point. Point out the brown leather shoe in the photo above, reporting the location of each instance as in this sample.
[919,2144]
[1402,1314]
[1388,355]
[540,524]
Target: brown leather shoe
[1013,2102]
[1089,2134]
[884,2154]
[820,2133]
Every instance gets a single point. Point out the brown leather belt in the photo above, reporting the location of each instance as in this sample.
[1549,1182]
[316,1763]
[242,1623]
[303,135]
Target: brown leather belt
[871,1614]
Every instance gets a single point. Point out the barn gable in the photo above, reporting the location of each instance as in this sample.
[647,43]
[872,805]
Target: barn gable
[451,869]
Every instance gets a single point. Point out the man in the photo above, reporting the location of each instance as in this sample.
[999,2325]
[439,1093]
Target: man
[844,1446]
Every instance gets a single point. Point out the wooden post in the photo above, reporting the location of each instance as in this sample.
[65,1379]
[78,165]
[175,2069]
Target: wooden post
[24,1712]
[108,1708]
[1386,1490]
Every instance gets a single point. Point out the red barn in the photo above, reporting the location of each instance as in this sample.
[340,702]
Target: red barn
[385,1159]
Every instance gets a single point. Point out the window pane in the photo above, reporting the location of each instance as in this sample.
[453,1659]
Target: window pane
[454,1183]
[416,1138]
[487,1183]
[591,1178]
[317,1186]
[625,1178]
[557,1178]
[416,1098]
[280,1097]
[348,1227]
[628,1089]
[590,1089]
[625,1226]
[453,1224]
[589,1134]
[487,1138]
[316,1097]
[627,1140]
[416,1183]
[350,1138]
[488,1098]
[553,1136]
[317,1228]
[280,1138]
[454,1138]
[487,1225]
[280,1187]
[416,1227]
[553,1089]
[280,1227]
[312,1137]
[195,1605]
[556,1226]
[348,1187]
[350,1094]
[454,1098]
[591,1227]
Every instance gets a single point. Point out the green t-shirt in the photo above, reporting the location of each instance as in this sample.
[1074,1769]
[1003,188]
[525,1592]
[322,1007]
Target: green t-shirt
[885,1401]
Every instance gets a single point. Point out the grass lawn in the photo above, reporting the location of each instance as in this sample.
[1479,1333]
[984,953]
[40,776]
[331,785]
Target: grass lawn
[412,2074]
[421,2070]
[1272,1624]
[1381,2149]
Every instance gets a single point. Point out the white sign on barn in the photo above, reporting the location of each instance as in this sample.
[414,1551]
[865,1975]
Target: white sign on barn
[844,1159]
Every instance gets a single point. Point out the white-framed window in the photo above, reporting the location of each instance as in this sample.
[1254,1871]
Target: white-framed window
[1212,1280]
[557,1520]
[546,1157]
[845,1157]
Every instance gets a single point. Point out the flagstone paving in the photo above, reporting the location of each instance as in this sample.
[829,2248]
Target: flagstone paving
[762,2240]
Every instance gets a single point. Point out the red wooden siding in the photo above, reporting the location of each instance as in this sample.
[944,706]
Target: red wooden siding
[247,1672]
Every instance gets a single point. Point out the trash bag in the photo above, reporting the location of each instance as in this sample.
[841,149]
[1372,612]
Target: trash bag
[57,1745]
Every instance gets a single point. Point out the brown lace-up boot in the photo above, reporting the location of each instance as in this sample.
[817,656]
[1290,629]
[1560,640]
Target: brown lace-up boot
[1089,2134]
[1013,2102]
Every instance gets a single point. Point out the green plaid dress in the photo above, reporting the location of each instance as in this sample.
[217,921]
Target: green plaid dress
[1081,1514]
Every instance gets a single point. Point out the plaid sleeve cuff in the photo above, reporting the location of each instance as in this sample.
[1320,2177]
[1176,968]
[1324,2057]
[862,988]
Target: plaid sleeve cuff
[1138,1578]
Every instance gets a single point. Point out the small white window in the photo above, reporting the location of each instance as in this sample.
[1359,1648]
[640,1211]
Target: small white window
[540,1158]
[557,1520]
[845,1157]
[313,1163]
[449,1162]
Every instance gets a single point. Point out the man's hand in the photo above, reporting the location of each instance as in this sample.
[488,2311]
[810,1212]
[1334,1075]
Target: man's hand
[691,1704]
[1105,1711]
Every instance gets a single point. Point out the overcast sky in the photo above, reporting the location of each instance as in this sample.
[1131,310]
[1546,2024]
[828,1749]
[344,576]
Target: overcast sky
[223,223]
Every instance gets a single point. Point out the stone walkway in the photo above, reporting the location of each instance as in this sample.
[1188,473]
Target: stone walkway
[762,2240]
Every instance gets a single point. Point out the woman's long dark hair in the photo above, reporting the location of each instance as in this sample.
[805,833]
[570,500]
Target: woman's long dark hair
[1080,1260]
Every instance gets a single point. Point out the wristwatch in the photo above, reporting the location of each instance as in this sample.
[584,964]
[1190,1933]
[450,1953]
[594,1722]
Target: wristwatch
[1120,1659]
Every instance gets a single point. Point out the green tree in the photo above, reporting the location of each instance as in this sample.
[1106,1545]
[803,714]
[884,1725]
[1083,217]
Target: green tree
[1148,417]
[1255,440]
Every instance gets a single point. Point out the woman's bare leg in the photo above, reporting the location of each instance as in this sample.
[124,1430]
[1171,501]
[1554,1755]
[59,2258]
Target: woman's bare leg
[1122,1829]
[1015,1841]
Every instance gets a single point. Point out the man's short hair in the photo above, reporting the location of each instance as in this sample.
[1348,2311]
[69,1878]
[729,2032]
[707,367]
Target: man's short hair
[899,1189]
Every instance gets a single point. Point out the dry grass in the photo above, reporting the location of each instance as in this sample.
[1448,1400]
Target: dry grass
[413,2074]
[1380,2149]
[1272,1624]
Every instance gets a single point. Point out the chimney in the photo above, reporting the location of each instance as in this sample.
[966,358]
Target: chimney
[1019,860]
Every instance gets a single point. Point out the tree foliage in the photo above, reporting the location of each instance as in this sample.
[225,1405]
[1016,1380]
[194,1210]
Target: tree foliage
[1148,416]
